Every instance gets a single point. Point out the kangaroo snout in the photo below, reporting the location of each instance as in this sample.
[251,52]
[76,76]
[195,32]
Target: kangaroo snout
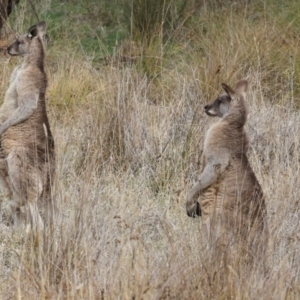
[10,50]
[210,111]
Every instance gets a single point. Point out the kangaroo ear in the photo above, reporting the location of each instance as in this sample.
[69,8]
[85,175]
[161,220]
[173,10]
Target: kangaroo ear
[241,87]
[33,31]
[229,91]
[37,30]
[41,28]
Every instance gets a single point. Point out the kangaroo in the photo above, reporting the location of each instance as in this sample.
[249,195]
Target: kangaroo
[27,153]
[230,195]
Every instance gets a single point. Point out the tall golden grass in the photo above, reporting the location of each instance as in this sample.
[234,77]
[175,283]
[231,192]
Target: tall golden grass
[129,148]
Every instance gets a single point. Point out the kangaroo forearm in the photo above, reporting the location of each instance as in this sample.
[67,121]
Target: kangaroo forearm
[207,178]
[193,192]
[20,115]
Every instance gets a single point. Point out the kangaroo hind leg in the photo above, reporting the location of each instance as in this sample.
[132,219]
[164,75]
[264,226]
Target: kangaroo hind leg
[26,185]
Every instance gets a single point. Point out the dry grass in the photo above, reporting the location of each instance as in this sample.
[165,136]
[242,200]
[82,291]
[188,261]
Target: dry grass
[129,148]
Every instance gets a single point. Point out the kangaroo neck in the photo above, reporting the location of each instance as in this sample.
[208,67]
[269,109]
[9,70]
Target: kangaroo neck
[35,57]
[238,113]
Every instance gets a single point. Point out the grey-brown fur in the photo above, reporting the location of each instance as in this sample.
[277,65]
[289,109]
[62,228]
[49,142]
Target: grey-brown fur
[231,199]
[27,146]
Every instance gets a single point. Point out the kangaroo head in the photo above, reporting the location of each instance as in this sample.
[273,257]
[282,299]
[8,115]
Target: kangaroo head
[221,106]
[22,45]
